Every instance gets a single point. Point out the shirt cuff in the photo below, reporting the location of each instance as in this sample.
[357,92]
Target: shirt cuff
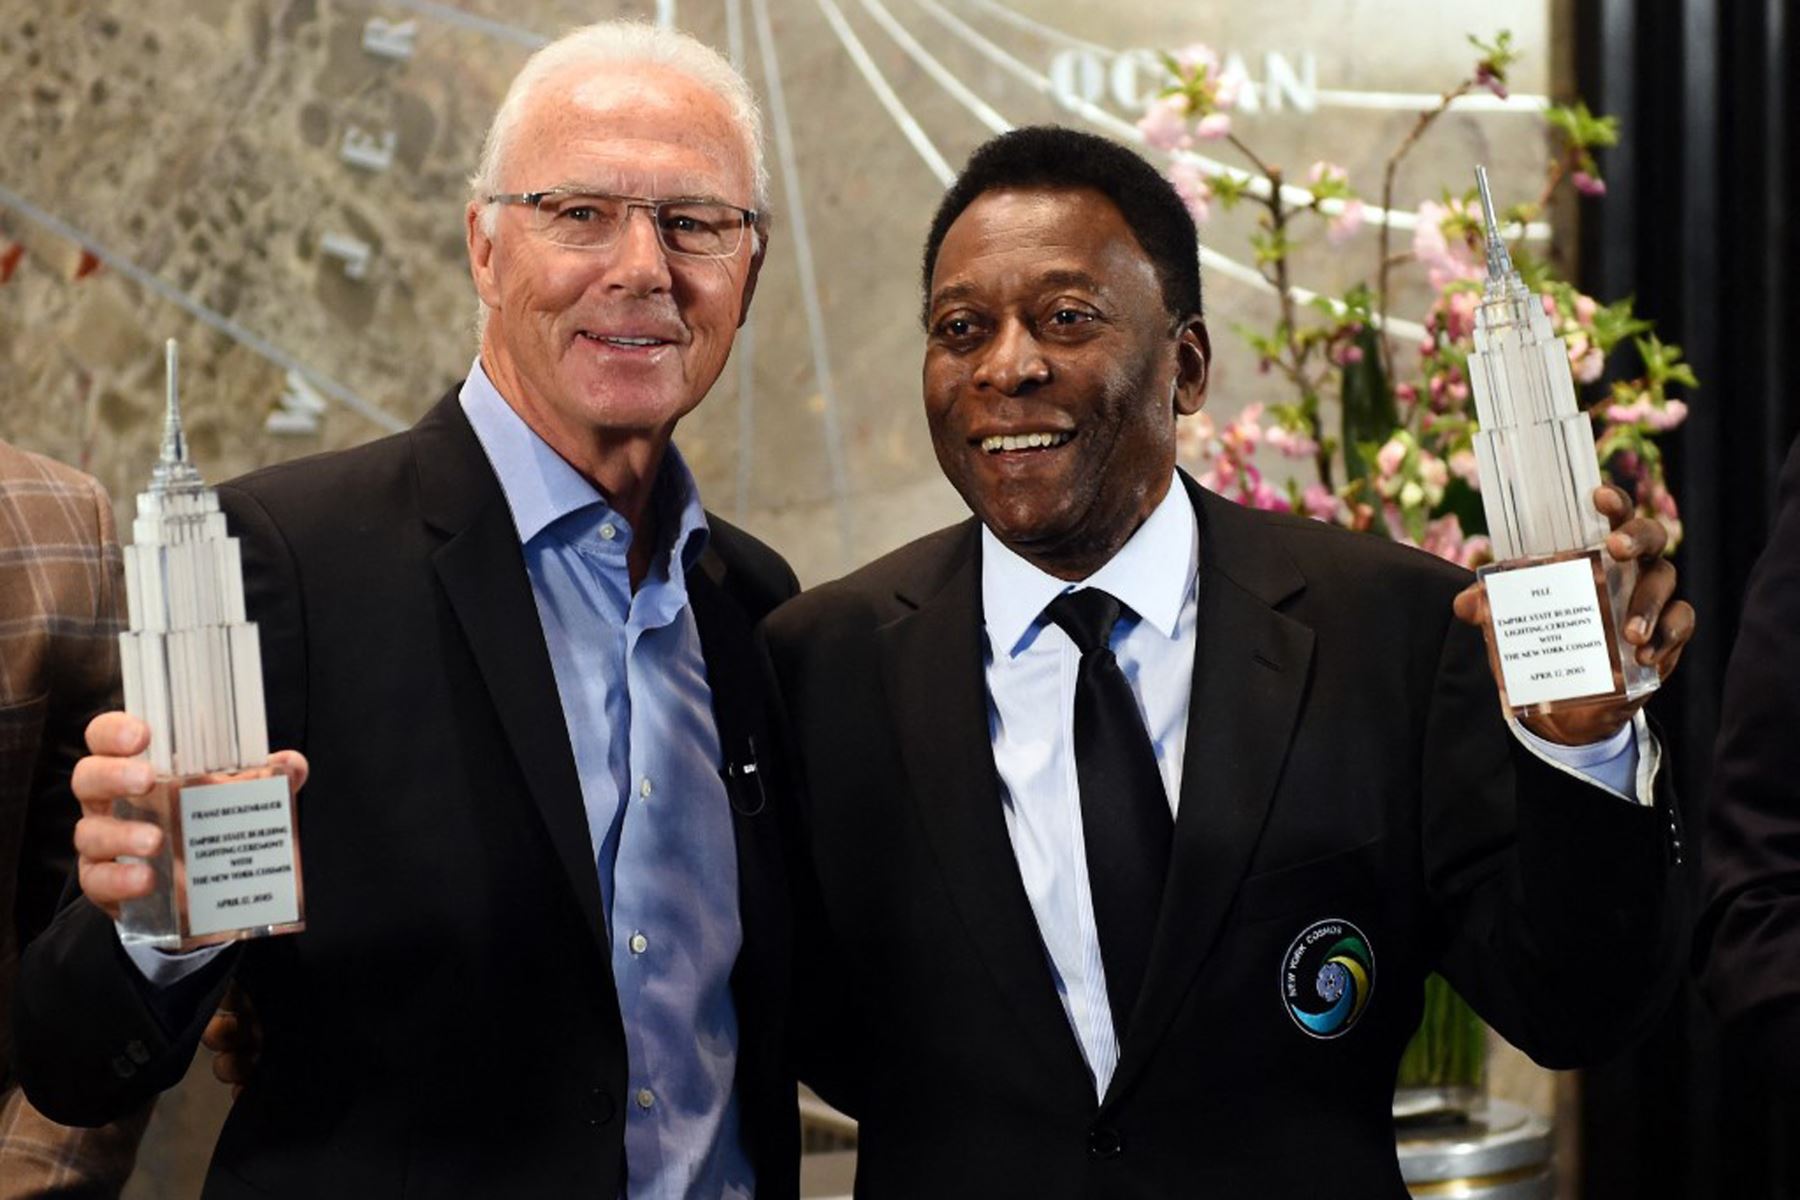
[161,969]
[1624,764]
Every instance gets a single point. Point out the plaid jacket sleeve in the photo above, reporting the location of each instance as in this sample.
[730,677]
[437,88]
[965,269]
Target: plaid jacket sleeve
[61,606]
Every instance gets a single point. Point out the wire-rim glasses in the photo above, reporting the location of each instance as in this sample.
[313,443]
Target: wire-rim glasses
[588,220]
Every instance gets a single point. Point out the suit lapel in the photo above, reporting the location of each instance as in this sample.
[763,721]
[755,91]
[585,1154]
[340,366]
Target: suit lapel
[1251,665]
[482,569]
[932,667]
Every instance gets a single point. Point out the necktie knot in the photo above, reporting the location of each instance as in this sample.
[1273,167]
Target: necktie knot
[1087,616]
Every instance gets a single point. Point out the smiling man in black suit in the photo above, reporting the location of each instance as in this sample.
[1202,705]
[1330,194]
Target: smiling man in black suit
[1132,821]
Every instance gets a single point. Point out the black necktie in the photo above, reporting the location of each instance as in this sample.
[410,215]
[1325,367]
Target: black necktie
[1124,810]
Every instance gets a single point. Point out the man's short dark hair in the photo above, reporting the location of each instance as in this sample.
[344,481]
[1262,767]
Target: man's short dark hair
[1050,156]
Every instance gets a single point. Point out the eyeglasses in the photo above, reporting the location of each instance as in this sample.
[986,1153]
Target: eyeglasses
[593,220]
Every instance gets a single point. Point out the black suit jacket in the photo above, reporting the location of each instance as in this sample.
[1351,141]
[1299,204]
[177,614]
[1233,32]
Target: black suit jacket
[1346,761]
[447,1024]
[1749,942]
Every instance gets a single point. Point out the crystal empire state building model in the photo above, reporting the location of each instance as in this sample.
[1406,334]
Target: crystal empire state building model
[1556,598]
[229,866]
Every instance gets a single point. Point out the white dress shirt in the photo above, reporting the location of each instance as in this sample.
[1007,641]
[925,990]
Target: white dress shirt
[1030,669]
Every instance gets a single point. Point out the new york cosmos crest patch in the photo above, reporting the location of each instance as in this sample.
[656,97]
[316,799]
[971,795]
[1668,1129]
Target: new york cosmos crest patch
[1327,977]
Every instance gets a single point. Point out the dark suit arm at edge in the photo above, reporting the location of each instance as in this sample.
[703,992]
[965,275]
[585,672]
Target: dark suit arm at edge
[1748,948]
[1567,930]
[95,1042]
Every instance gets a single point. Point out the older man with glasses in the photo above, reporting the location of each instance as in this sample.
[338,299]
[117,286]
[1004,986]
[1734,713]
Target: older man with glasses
[545,944]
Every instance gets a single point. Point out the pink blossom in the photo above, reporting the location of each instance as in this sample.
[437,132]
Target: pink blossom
[1444,261]
[1459,315]
[1344,353]
[1588,185]
[1197,55]
[1444,538]
[1192,186]
[1427,345]
[1549,303]
[1662,501]
[1644,411]
[1320,502]
[1588,367]
[1244,432]
[1322,171]
[1344,226]
[1229,88]
[1290,443]
[1390,456]
[1213,126]
[1433,473]
[1165,124]
[1465,467]
[1267,498]
[1585,308]
[1406,393]
[1428,232]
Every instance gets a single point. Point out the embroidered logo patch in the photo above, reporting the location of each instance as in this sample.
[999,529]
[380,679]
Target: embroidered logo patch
[1327,977]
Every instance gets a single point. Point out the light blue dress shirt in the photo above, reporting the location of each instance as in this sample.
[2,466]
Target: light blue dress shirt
[634,695]
[1030,668]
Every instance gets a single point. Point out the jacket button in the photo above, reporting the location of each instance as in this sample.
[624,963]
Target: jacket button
[123,1067]
[137,1052]
[1104,1142]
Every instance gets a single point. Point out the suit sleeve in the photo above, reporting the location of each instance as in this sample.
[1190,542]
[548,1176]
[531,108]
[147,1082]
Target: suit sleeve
[1561,913]
[1749,943]
[95,1039]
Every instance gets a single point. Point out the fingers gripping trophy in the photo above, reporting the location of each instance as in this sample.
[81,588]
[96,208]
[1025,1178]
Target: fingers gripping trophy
[1557,602]
[229,864]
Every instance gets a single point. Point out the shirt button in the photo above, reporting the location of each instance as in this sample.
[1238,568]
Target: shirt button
[608,533]
[645,1098]
[644,788]
[639,943]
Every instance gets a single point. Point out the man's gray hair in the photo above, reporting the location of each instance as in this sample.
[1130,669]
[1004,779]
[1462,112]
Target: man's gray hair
[620,42]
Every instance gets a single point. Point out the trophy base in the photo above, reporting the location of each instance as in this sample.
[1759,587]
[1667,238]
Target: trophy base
[229,867]
[1555,632]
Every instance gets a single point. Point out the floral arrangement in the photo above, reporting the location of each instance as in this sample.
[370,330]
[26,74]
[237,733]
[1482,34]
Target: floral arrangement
[1400,462]
[1403,442]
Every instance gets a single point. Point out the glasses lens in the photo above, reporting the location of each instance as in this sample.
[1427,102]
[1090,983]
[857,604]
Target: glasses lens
[702,229]
[580,220]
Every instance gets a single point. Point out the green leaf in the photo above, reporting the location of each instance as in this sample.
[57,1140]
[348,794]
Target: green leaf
[1270,246]
[1227,189]
[1581,127]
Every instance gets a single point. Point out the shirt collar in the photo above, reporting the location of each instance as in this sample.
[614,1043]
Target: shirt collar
[541,487]
[1014,592]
